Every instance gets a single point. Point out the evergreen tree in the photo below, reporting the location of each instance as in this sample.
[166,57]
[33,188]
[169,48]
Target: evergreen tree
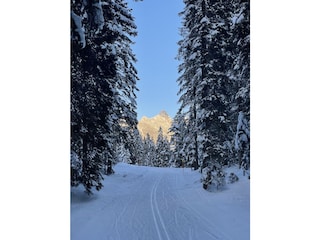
[202,82]
[240,74]
[178,139]
[91,90]
[163,153]
[215,95]
[189,79]
[124,115]
[100,51]
[214,82]
[122,154]
[149,151]
[133,143]
[137,147]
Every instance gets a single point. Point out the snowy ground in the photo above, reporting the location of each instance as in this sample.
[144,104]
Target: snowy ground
[145,203]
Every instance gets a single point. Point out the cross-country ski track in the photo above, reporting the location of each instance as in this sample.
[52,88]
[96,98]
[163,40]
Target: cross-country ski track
[146,203]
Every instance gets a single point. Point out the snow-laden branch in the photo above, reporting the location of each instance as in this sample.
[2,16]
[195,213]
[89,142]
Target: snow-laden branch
[79,28]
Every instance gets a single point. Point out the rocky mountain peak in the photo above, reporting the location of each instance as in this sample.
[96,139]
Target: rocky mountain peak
[151,125]
[163,113]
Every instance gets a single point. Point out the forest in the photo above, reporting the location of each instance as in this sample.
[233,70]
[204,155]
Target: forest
[210,131]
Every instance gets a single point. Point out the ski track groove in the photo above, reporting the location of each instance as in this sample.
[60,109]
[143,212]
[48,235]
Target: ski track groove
[159,214]
[162,194]
[152,209]
[120,216]
[156,212]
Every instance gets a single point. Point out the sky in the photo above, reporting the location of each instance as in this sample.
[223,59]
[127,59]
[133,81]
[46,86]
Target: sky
[156,48]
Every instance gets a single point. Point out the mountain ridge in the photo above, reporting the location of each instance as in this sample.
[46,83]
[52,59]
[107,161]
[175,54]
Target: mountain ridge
[151,125]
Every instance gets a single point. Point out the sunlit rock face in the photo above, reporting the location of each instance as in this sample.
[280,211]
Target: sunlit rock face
[151,125]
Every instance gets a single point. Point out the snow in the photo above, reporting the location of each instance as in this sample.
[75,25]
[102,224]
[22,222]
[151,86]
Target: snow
[205,19]
[242,130]
[161,203]
[193,56]
[98,16]
[80,29]
[238,17]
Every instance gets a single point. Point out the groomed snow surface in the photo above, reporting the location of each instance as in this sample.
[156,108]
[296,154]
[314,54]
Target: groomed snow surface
[146,203]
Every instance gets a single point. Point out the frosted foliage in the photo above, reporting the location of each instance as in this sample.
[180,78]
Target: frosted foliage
[76,168]
[242,93]
[196,43]
[218,179]
[103,85]
[123,154]
[198,74]
[193,56]
[98,16]
[80,29]
[214,85]
[238,17]
[76,163]
[213,32]
[214,178]
[243,131]
[205,19]
[221,118]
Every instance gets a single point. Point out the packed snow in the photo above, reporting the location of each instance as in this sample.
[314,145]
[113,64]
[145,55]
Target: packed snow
[149,203]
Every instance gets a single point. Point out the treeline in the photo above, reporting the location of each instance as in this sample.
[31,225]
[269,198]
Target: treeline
[149,153]
[212,127]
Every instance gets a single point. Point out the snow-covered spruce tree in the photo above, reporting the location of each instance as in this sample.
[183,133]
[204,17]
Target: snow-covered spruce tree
[126,78]
[178,128]
[130,139]
[149,151]
[137,147]
[215,86]
[202,82]
[240,74]
[172,160]
[91,90]
[163,153]
[187,80]
[126,73]
[122,154]
[96,34]
[76,169]
[214,81]
[190,147]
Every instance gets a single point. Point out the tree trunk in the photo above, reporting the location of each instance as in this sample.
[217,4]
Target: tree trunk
[109,167]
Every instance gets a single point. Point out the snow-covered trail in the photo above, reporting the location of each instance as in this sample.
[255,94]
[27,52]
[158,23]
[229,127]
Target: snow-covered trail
[148,203]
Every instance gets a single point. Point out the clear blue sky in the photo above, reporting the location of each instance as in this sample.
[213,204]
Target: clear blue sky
[156,48]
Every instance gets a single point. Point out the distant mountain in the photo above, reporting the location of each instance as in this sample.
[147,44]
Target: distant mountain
[152,125]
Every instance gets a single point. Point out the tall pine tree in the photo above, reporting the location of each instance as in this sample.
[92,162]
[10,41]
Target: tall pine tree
[100,53]
[240,74]
[214,82]
[163,152]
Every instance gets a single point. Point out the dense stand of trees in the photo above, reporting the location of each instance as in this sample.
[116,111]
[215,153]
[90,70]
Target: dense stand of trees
[212,127]
[103,85]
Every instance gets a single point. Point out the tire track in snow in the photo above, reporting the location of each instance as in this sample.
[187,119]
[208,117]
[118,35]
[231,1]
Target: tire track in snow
[156,212]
